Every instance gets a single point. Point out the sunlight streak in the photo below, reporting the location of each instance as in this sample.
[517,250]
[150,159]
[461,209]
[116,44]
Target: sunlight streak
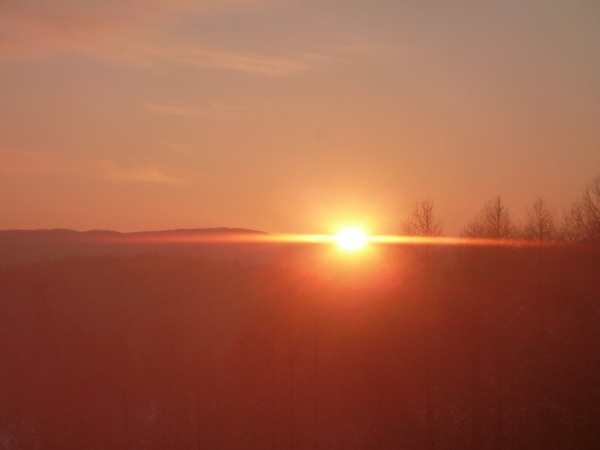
[264,238]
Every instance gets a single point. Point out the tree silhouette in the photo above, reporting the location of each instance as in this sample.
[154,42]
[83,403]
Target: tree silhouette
[540,223]
[591,207]
[494,221]
[581,222]
[490,305]
[421,221]
[573,226]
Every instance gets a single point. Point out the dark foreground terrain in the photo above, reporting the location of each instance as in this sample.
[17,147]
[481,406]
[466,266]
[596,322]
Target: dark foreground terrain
[397,348]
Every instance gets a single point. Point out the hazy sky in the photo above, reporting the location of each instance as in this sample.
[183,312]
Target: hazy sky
[292,116]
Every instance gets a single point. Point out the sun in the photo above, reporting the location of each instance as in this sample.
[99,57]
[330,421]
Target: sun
[351,238]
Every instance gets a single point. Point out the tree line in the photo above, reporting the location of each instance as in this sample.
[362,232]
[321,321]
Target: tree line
[579,223]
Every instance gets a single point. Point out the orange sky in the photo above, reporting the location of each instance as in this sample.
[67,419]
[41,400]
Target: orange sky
[292,116]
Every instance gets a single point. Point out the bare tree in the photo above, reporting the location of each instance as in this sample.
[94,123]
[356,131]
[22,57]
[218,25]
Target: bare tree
[581,221]
[573,226]
[494,221]
[540,224]
[421,221]
[591,207]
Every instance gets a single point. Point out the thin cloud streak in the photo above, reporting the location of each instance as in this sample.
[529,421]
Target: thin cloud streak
[244,62]
[212,113]
[17,161]
[113,172]
[215,111]
[133,32]
[30,31]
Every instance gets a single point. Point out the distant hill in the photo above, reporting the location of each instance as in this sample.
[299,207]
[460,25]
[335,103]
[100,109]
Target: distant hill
[18,246]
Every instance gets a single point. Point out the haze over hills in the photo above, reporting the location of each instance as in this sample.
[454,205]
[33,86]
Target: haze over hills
[22,246]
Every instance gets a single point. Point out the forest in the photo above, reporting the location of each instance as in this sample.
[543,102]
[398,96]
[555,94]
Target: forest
[399,347]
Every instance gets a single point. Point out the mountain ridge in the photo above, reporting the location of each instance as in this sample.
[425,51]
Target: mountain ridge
[22,246]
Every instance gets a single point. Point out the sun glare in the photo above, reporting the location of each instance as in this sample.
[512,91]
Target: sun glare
[351,238]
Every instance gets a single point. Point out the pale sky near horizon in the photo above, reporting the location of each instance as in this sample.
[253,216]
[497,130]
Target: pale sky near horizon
[292,116]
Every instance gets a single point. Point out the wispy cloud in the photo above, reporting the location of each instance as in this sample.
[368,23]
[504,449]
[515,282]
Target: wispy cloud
[29,28]
[114,172]
[245,62]
[19,161]
[136,32]
[214,112]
